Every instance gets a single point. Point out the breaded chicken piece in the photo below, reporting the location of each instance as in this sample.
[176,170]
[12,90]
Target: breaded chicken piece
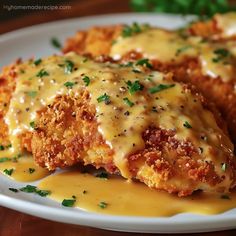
[68,131]
[217,89]
[220,27]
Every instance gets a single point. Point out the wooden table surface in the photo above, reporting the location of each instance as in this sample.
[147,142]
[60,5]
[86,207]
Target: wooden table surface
[13,223]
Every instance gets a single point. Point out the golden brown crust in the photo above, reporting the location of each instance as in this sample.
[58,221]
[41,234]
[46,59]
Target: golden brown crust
[95,42]
[67,133]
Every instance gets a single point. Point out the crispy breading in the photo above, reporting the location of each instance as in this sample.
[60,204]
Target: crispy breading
[7,86]
[97,42]
[222,94]
[67,133]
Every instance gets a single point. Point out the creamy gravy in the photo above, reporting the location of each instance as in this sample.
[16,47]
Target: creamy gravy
[170,47]
[130,198]
[23,169]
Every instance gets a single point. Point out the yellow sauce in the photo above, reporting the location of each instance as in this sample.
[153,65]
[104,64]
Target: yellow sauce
[170,47]
[24,169]
[129,198]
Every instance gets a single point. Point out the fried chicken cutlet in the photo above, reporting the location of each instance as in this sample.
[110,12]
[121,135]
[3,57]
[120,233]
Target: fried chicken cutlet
[131,121]
[195,57]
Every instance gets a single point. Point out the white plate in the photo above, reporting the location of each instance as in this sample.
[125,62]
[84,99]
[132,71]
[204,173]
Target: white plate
[35,41]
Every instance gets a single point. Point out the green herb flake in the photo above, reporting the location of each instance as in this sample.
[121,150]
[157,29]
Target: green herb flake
[187,125]
[31,94]
[104,98]
[224,166]
[136,71]
[38,61]
[69,66]
[144,62]
[4,159]
[14,190]
[102,205]
[34,189]
[31,170]
[42,73]
[134,87]
[55,43]
[69,84]
[32,124]
[226,197]
[8,171]
[160,87]
[68,202]
[86,80]
[128,102]
[42,193]
[102,175]
[2,147]
[128,31]
[28,189]
[221,54]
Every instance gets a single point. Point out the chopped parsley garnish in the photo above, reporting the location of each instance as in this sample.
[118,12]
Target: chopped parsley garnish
[102,205]
[31,170]
[225,197]
[224,166]
[128,102]
[34,189]
[144,62]
[8,171]
[134,87]
[131,30]
[102,175]
[4,159]
[86,80]
[13,190]
[29,189]
[42,193]
[187,125]
[104,98]
[42,73]
[221,54]
[38,61]
[32,124]
[55,43]
[160,87]
[136,71]
[68,202]
[32,94]
[2,147]
[181,50]
[69,66]
[69,84]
